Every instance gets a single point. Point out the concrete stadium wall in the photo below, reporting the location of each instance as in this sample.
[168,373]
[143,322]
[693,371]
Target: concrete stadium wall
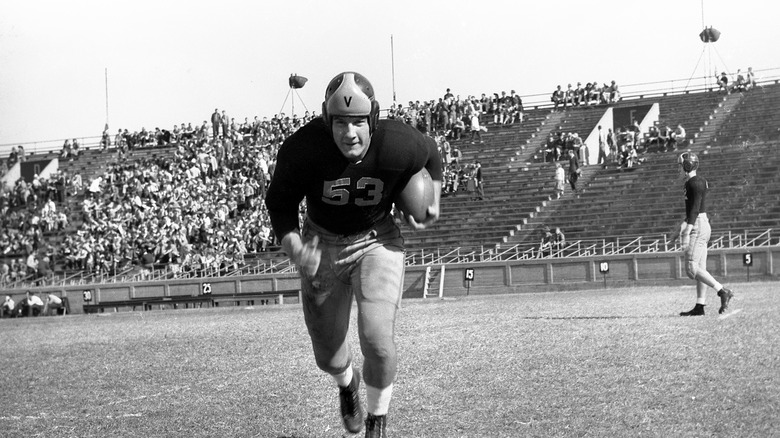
[584,273]
[489,278]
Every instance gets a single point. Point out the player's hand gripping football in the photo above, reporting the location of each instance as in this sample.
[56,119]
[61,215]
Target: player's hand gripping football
[432,215]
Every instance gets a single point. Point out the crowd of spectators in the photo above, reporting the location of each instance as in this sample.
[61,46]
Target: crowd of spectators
[453,116]
[741,82]
[590,94]
[551,242]
[198,209]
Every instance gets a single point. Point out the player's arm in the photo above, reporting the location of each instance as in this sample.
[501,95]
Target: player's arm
[283,198]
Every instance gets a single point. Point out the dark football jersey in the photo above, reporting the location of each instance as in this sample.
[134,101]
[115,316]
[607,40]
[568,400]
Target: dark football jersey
[695,195]
[342,197]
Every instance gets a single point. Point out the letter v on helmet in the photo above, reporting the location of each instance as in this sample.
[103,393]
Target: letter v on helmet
[347,101]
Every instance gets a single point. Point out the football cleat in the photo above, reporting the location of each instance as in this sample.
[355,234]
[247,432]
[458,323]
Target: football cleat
[698,310]
[349,399]
[725,295]
[375,426]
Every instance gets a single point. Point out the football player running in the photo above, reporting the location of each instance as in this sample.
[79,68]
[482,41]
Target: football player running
[349,165]
[695,234]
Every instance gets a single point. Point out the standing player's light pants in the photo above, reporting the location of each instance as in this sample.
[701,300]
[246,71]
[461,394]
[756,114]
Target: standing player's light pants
[371,268]
[696,254]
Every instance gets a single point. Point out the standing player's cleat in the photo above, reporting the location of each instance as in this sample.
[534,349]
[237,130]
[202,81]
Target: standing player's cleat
[349,398]
[698,310]
[725,296]
[375,426]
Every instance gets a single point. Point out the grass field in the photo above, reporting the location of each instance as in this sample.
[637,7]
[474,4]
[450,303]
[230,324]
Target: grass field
[592,363]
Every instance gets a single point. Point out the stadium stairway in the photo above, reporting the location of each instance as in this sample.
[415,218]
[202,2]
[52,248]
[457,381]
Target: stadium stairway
[716,120]
[756,117]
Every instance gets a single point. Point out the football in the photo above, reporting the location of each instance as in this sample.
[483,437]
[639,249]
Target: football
[417,196]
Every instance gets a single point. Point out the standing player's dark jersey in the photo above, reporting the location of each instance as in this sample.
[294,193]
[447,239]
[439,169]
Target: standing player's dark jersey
[343,197]
[695,194]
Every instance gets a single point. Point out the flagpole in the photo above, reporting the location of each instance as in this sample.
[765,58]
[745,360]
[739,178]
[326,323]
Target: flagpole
[392,64]
[106,73]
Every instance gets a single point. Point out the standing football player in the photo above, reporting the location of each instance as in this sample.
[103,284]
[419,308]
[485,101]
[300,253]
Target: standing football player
[695,234]
[349,165]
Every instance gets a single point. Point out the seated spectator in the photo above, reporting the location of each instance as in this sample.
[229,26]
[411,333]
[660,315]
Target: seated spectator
[13,157]
[558,97]
[628,157]
[591,94]
[517,110]
[457,129]
[677,137]
[76,152]
[750,79]
[740,83]
[105,140]
[67,151]
[579,95]
[723,82]
[7,308]
[31,305]
[457,155]
[56,304]
[147,259]
[614,93]
[568,96]
[32,264]
[652,138]
[580,148]
[546,244]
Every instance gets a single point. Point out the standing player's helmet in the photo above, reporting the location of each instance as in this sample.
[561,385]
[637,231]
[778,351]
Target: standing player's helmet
[350,94]
[689,161]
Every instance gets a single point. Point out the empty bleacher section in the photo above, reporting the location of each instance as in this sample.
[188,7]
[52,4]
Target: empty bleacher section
[756,118]
[736,135]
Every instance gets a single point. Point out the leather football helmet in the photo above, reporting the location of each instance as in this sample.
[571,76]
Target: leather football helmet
[689,161]
[350,94]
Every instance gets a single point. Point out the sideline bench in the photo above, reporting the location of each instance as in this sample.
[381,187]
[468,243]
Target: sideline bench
[199,301]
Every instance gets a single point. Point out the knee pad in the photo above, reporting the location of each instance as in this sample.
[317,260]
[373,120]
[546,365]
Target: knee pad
[692,268]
